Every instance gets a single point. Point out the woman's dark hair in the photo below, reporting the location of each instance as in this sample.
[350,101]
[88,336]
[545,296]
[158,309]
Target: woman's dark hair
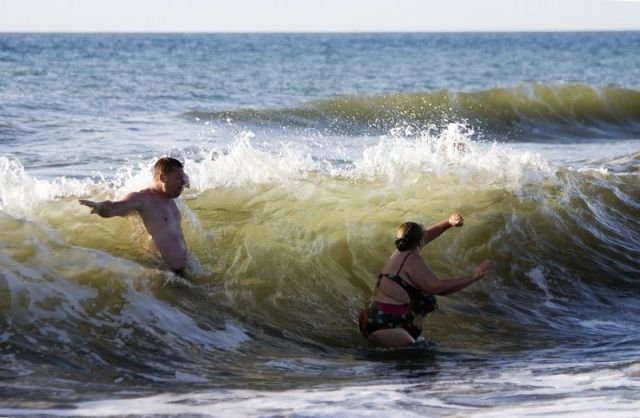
[409,235]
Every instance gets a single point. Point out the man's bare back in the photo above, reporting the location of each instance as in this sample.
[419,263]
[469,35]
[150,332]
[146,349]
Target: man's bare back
[158,210]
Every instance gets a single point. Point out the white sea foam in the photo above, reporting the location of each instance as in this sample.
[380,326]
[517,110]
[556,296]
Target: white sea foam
[40,286]
[20,192]
[34,288]
[452,152]
[544,390]
[167,322]
[621,327]
[449,153]
[537,276]
[245,164]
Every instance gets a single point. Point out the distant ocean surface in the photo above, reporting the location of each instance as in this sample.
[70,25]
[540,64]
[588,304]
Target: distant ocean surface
[304,153]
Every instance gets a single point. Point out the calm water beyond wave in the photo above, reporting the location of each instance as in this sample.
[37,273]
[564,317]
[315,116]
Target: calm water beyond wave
[304,153]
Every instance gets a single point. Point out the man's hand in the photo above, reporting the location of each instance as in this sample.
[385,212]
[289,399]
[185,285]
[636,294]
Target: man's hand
[95,206]
[456,219]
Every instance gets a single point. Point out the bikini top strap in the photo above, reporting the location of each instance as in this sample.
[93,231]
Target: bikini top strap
[380,276]
[402,264]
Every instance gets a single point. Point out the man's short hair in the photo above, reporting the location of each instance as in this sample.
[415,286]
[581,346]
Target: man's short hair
[165,165]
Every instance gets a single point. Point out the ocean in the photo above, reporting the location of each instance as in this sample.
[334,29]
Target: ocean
[304,152]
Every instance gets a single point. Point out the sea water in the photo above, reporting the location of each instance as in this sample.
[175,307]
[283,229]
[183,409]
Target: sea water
[304,152]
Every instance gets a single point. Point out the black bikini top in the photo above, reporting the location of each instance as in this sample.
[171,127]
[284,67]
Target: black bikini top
[413,292]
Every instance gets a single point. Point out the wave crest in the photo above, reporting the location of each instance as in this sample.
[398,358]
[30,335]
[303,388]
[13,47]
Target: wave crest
[527,110]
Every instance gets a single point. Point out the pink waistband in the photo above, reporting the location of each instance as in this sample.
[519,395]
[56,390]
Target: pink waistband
[392,308]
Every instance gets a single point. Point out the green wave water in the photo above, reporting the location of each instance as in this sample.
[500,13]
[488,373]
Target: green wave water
[524,111]
[304,153]
[280,265]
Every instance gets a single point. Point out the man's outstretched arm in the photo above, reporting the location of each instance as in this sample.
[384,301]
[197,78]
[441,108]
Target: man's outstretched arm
[107,208]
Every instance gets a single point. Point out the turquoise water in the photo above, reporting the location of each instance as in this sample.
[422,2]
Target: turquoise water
[304,153]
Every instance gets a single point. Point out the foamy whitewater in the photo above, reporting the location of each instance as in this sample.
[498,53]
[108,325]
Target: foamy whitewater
[304,152]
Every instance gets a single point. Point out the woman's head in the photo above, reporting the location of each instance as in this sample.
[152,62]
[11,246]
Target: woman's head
[409,235]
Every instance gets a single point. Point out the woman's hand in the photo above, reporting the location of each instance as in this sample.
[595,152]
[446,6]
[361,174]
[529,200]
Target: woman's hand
[456,219]
[482,269]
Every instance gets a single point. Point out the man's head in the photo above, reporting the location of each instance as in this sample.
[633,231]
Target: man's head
[168,173]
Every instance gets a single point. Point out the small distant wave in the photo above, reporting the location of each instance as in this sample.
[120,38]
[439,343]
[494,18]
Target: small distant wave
[527,110]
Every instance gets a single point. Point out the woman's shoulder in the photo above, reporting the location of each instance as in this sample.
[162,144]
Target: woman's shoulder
[413,259]
[400,260]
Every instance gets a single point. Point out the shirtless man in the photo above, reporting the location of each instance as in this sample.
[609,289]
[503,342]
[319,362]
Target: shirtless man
[157,209]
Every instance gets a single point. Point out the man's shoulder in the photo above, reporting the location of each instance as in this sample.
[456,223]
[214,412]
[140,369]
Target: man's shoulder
[144,192]
[140,197]
[153,198]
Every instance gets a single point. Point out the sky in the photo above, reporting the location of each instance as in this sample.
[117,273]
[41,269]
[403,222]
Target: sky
[317,15]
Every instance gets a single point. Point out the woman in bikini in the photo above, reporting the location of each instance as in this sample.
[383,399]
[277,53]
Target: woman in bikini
[405,291]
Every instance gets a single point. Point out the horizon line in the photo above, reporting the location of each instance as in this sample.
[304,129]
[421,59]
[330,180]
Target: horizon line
[240,32]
